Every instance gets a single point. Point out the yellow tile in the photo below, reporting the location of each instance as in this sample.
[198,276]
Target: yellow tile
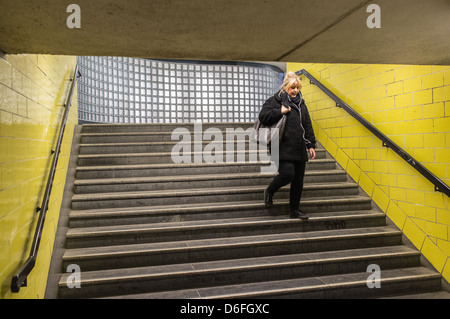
[5,73]
[442,156]
[423,97]
[375,176]
[387,103]
[394,88]
[413,113]
[433,80]
[416,197]
[388,179]
[447,77]
[379,92]
[380,117]
[395,115]
[414,141]
[403,73]
[434,110]
[380,166]
[366,184]
[418,70]
[443,215]
[359,154]
[397,216]
[437,230]
[446,270]
[332,147]
[423,126]
[386,78]
[412,85]
[434,254]
[397,193]
[402,128]
[405,181]
[426,213]
[441,94]
[442,125]
[373,154]
[436,140]
[380,198]
[365,95]
[407,208]
[9,198]
[353,170]
[437,169]
[403,100]
[414,233]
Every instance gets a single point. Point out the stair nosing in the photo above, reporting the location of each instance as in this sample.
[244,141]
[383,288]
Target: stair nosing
[165,178]
[199,191]
[264,262]
[185,225]
[340,285]
[163,209]
[224,243]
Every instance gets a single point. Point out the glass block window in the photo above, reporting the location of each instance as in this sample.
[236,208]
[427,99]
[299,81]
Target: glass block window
[133,90]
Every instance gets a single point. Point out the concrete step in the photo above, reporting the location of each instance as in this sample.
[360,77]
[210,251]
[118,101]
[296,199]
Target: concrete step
[166,136]
[342,286]
[143,226]
[131,184]
[198,250]
[170,169]
[238,271]
[165,158]
[175,147]
[161,127]
[198,211]
[222,228]
[202,195]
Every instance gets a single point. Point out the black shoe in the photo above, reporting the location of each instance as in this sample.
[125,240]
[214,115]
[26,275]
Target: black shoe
[299,214]
[268,198]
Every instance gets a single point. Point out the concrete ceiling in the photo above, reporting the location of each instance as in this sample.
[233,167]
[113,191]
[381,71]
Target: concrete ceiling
[334,31]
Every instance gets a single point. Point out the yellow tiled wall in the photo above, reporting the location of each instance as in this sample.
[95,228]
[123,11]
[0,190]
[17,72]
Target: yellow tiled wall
[409,104]
[33,89]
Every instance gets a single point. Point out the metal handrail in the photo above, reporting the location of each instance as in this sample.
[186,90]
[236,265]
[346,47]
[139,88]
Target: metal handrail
[439,185]
[20,279]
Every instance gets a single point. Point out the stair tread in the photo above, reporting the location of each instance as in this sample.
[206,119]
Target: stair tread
[182,208]
[249,263]
[199,191]
[284,287]
[144,154]
[183,165]
[249,250]
[223,243]
[165,178]
[225,222]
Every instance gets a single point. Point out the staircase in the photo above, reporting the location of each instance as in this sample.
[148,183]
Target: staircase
[140,226]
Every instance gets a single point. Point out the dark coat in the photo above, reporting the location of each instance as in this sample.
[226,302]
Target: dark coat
[297,137]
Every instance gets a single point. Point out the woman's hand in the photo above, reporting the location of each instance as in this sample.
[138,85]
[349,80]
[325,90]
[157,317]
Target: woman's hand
[312,152]
[284,109]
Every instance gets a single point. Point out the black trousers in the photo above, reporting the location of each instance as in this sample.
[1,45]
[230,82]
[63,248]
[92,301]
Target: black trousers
[292,172]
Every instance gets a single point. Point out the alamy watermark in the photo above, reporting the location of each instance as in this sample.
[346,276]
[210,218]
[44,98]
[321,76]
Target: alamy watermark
[211,146]
[374,19]
[74,19]
[74,279]
[374,279]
